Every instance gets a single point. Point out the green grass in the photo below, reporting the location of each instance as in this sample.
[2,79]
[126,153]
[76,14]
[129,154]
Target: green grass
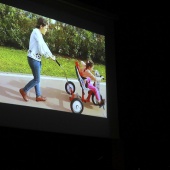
[15,61]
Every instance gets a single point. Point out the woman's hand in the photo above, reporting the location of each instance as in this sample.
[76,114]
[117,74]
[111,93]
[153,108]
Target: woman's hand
[53,57]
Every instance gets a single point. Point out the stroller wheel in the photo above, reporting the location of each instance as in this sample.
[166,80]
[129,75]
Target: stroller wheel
[70,87]
[94,100]
[77,106]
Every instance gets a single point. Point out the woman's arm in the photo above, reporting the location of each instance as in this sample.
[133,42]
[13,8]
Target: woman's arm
[42,46]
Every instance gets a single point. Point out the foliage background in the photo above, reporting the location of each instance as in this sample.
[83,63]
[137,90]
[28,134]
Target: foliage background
[63,39]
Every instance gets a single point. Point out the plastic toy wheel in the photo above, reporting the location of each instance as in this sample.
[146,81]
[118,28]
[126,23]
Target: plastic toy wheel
[77,106]
[70,87]
[94,100]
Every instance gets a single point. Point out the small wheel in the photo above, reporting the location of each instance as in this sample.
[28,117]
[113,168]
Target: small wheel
[94,100]
[77,106]
[70,87]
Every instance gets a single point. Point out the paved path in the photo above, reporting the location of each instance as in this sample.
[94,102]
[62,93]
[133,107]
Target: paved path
[53,88]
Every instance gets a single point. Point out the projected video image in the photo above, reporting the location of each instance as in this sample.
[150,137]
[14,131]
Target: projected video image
[49,64]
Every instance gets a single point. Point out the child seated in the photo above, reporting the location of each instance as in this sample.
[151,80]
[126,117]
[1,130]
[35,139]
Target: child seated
[86,72]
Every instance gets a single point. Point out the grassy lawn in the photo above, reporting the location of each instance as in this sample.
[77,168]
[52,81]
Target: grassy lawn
[15,61]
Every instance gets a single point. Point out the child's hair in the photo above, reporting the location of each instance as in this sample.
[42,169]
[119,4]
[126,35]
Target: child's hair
[41,22]
[89,63]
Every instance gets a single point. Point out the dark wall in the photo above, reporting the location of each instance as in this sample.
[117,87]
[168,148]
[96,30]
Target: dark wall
[25,149]
[141,70]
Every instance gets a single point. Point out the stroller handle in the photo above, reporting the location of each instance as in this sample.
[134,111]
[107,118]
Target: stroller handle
[57,62]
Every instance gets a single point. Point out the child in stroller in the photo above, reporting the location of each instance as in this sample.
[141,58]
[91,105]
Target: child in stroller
[86,73]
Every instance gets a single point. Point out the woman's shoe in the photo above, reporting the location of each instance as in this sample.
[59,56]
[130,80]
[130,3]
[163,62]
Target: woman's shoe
[40,98]
[23,94]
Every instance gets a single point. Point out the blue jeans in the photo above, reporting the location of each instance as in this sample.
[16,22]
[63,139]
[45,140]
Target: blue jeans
[35,82]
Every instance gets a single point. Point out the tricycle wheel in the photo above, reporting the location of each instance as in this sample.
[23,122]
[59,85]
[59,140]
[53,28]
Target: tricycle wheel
[77,106]
[70,87]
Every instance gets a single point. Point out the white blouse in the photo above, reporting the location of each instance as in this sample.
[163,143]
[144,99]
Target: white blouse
[37,46]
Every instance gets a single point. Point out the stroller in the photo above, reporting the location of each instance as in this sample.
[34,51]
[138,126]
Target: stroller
[76,101]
